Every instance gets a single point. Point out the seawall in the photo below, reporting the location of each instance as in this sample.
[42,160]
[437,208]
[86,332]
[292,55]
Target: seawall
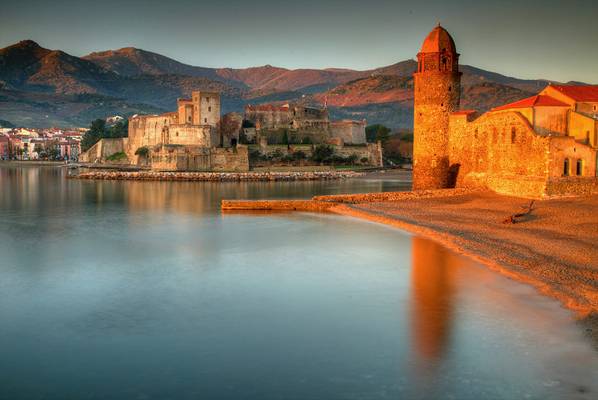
[216,176]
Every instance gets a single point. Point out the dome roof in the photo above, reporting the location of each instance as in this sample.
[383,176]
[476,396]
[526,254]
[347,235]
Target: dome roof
[438,40]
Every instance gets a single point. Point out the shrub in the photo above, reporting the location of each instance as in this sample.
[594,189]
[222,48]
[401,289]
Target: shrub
[322,153]
[352,159]
[117,156]
[299,155]
[143,151]
[306,140]
[364,160]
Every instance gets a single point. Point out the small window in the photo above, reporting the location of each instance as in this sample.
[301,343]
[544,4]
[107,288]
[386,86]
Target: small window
[205,120]
[210,109]
[513,135]
[595,108]
[566,167]
[450,88]
[208,99]
[189,119]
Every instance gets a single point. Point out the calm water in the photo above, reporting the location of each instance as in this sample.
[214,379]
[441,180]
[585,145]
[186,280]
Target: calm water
[143,290]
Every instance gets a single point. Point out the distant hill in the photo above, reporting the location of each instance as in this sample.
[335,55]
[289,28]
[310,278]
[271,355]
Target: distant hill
[41,87]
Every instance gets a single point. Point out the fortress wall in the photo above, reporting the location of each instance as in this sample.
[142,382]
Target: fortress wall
[230,159]
[199,158]
[146,131]
[104,148]
[351,132]
[190,135]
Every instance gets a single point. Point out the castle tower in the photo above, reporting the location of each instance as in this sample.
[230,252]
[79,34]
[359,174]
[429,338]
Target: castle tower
[437,85]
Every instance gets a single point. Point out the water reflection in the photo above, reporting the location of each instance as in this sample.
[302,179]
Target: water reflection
[145,286]
[432,292]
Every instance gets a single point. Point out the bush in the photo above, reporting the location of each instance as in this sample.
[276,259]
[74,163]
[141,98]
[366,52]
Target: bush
[364,160]
[299,155]
[143,151]
[352,159]
[322,153]
[117,156]
[255,155]
[306,140]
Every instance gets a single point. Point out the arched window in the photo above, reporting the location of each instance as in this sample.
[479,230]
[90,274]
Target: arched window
[566,167]
[513,135]
[579,167]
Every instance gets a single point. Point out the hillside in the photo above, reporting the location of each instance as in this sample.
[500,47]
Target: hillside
[46,86]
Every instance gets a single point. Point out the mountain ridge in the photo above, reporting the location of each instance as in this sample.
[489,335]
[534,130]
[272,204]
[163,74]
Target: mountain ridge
[138,77]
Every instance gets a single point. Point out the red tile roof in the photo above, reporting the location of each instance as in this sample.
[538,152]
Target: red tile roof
[266,107]
[580,92]
[538,100]
[463,112]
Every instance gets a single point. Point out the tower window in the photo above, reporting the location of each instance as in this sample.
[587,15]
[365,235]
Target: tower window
[566,167]
[513,135]
[205,120]
[450,88]
[210,109]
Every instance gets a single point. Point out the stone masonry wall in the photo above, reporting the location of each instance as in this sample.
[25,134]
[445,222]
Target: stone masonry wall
[436,96]
[499,151]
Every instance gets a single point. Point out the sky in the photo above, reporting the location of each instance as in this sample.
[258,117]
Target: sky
[548,39]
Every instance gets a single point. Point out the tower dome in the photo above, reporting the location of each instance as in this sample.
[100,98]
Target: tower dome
[438,41]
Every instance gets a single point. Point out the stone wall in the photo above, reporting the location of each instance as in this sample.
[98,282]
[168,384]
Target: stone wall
[499,151]
[351,132]
[436,95]
[104,148]
[567,148]
[199,158]
[371,151]
[502,152]
[572,186]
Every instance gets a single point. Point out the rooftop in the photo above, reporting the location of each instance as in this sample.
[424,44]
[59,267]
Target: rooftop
[437,41]
[534,101]
[579,92]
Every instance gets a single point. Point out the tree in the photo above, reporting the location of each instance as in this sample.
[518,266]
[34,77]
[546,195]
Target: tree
[377,132]
[96,131]
[322,153]
[118,130]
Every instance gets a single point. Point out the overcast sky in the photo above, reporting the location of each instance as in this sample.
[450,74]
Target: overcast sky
[528,39]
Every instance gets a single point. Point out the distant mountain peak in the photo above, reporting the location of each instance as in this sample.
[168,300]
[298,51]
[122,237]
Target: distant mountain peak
[27,43]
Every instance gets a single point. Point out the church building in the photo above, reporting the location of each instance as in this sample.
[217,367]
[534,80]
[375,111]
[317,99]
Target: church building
[542,146]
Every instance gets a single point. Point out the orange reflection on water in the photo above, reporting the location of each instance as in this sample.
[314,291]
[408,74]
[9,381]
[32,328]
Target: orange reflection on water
[433,277]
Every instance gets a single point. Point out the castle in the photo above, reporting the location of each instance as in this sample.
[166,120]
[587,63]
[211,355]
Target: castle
[541,146]
[304,123]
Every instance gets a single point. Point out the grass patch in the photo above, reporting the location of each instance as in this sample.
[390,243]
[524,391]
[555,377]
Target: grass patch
[120,156]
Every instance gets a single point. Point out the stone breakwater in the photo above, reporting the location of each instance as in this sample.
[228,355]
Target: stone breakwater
[217,176]
[326,203]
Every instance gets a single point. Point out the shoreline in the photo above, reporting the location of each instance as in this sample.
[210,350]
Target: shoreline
[554,249]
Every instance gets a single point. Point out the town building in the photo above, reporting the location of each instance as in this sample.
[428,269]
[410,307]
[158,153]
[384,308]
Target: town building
[541,146]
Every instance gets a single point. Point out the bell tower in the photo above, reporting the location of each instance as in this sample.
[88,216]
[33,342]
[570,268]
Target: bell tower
[437,85]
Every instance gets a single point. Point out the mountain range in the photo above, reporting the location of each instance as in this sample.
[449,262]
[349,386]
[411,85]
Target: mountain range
[41,87]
